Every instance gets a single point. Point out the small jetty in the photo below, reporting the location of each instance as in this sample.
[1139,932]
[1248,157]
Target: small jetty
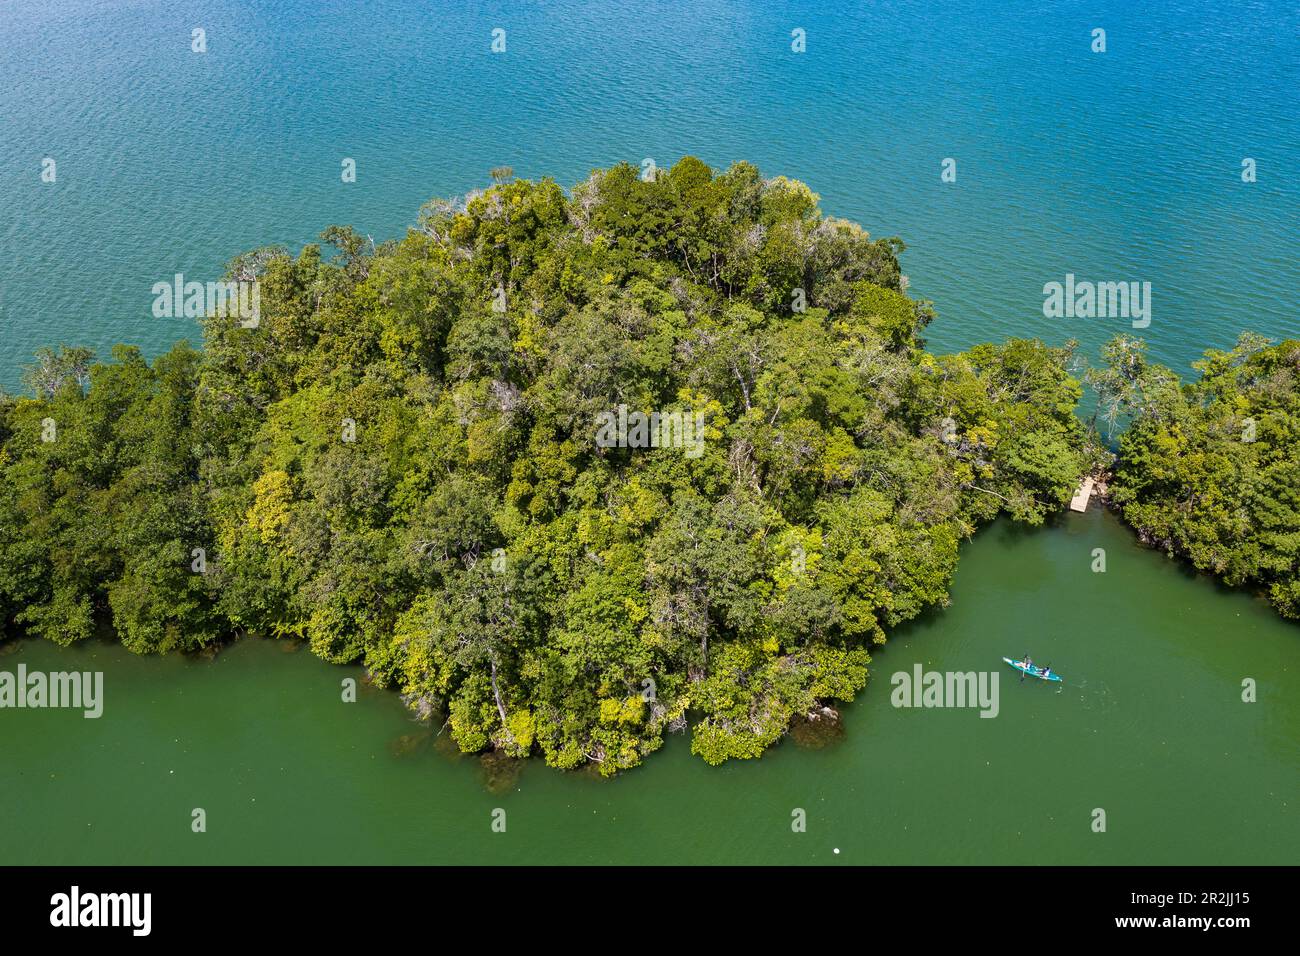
[1081,497]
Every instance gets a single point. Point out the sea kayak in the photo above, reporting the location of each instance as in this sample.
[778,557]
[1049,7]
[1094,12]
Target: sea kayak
[1032,671]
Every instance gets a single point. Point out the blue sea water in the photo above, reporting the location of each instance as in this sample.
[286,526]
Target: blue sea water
[1122,165]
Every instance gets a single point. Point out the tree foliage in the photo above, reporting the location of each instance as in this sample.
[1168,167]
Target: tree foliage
[1208,470]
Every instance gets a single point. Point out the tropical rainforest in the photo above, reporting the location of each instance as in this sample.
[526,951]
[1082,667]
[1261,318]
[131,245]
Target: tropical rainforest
[398,463]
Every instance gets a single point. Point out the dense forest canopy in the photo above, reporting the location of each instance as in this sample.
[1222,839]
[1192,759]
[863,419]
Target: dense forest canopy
[1210,471]
[400,465]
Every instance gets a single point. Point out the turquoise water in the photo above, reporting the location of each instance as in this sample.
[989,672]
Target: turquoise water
[1118,166]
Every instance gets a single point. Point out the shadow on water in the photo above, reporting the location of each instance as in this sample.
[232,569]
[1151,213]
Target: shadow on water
[209,652]
[1189,572]
[498,773]
[1013,533]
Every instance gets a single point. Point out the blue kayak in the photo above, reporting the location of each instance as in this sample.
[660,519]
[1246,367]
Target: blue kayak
[1042,673]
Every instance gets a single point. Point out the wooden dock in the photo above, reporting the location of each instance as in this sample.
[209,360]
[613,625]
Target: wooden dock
[1081,497]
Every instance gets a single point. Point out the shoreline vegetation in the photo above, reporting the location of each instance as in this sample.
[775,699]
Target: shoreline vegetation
[401,462]
[1209,471]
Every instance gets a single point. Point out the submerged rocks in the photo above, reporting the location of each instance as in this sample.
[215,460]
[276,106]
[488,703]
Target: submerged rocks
[818,728]
[500,772]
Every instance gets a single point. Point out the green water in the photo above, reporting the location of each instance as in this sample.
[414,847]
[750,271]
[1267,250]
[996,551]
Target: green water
[1149,726]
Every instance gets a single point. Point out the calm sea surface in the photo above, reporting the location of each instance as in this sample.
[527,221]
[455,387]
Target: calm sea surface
[1118,166]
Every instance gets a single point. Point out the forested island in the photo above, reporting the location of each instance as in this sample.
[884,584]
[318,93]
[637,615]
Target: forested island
[402,463]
